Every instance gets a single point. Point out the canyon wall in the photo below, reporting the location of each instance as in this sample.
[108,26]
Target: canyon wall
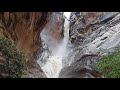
[24,29]
[93,35]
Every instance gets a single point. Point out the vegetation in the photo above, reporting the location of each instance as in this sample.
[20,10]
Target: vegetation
[109,66]
[14,60]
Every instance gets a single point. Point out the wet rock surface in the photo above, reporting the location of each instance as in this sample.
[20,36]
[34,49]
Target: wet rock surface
[51,37]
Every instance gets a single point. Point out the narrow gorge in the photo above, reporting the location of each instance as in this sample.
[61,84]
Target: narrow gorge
[59,50]
[59,45]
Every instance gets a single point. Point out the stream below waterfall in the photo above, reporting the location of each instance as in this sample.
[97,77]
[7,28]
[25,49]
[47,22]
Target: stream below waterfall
[53,64]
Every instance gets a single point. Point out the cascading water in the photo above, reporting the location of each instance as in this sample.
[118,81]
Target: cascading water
[54,62]
[62,48]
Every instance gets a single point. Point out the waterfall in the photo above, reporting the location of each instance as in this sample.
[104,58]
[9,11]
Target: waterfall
[62,48]
[53,65]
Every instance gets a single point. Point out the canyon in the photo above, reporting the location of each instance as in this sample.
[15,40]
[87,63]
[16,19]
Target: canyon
[62,44]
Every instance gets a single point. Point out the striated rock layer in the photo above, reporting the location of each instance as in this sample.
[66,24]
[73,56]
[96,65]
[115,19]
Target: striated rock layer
[25,28]
[94,34]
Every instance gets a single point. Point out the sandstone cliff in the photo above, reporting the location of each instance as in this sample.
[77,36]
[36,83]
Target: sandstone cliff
[24,29]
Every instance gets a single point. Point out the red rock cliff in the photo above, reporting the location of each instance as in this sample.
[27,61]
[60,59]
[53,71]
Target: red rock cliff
[24,28]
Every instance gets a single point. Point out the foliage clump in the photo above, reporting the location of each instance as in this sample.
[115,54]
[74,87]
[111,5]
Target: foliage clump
[14,61]
[109,65]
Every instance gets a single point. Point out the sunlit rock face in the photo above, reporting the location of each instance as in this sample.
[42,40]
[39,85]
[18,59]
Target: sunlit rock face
[82,24]
[91,46]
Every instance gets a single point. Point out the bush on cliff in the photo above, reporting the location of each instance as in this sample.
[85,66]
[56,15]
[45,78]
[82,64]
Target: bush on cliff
[109,65]
[14,60]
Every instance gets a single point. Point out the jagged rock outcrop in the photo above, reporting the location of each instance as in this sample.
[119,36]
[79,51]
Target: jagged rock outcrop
[25,28]
[82,24]
[90,46]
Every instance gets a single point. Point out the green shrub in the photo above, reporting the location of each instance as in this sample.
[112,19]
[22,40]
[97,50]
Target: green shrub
[109,65]
[15,62]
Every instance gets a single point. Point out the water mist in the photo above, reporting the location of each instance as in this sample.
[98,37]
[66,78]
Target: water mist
[54,63]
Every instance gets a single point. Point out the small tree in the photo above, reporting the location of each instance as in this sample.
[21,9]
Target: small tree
[14,62]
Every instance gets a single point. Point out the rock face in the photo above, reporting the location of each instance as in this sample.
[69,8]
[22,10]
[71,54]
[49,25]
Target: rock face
[94,35]
[51,37]
[53,31]
[55,26]
[25,28]
[83,24]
